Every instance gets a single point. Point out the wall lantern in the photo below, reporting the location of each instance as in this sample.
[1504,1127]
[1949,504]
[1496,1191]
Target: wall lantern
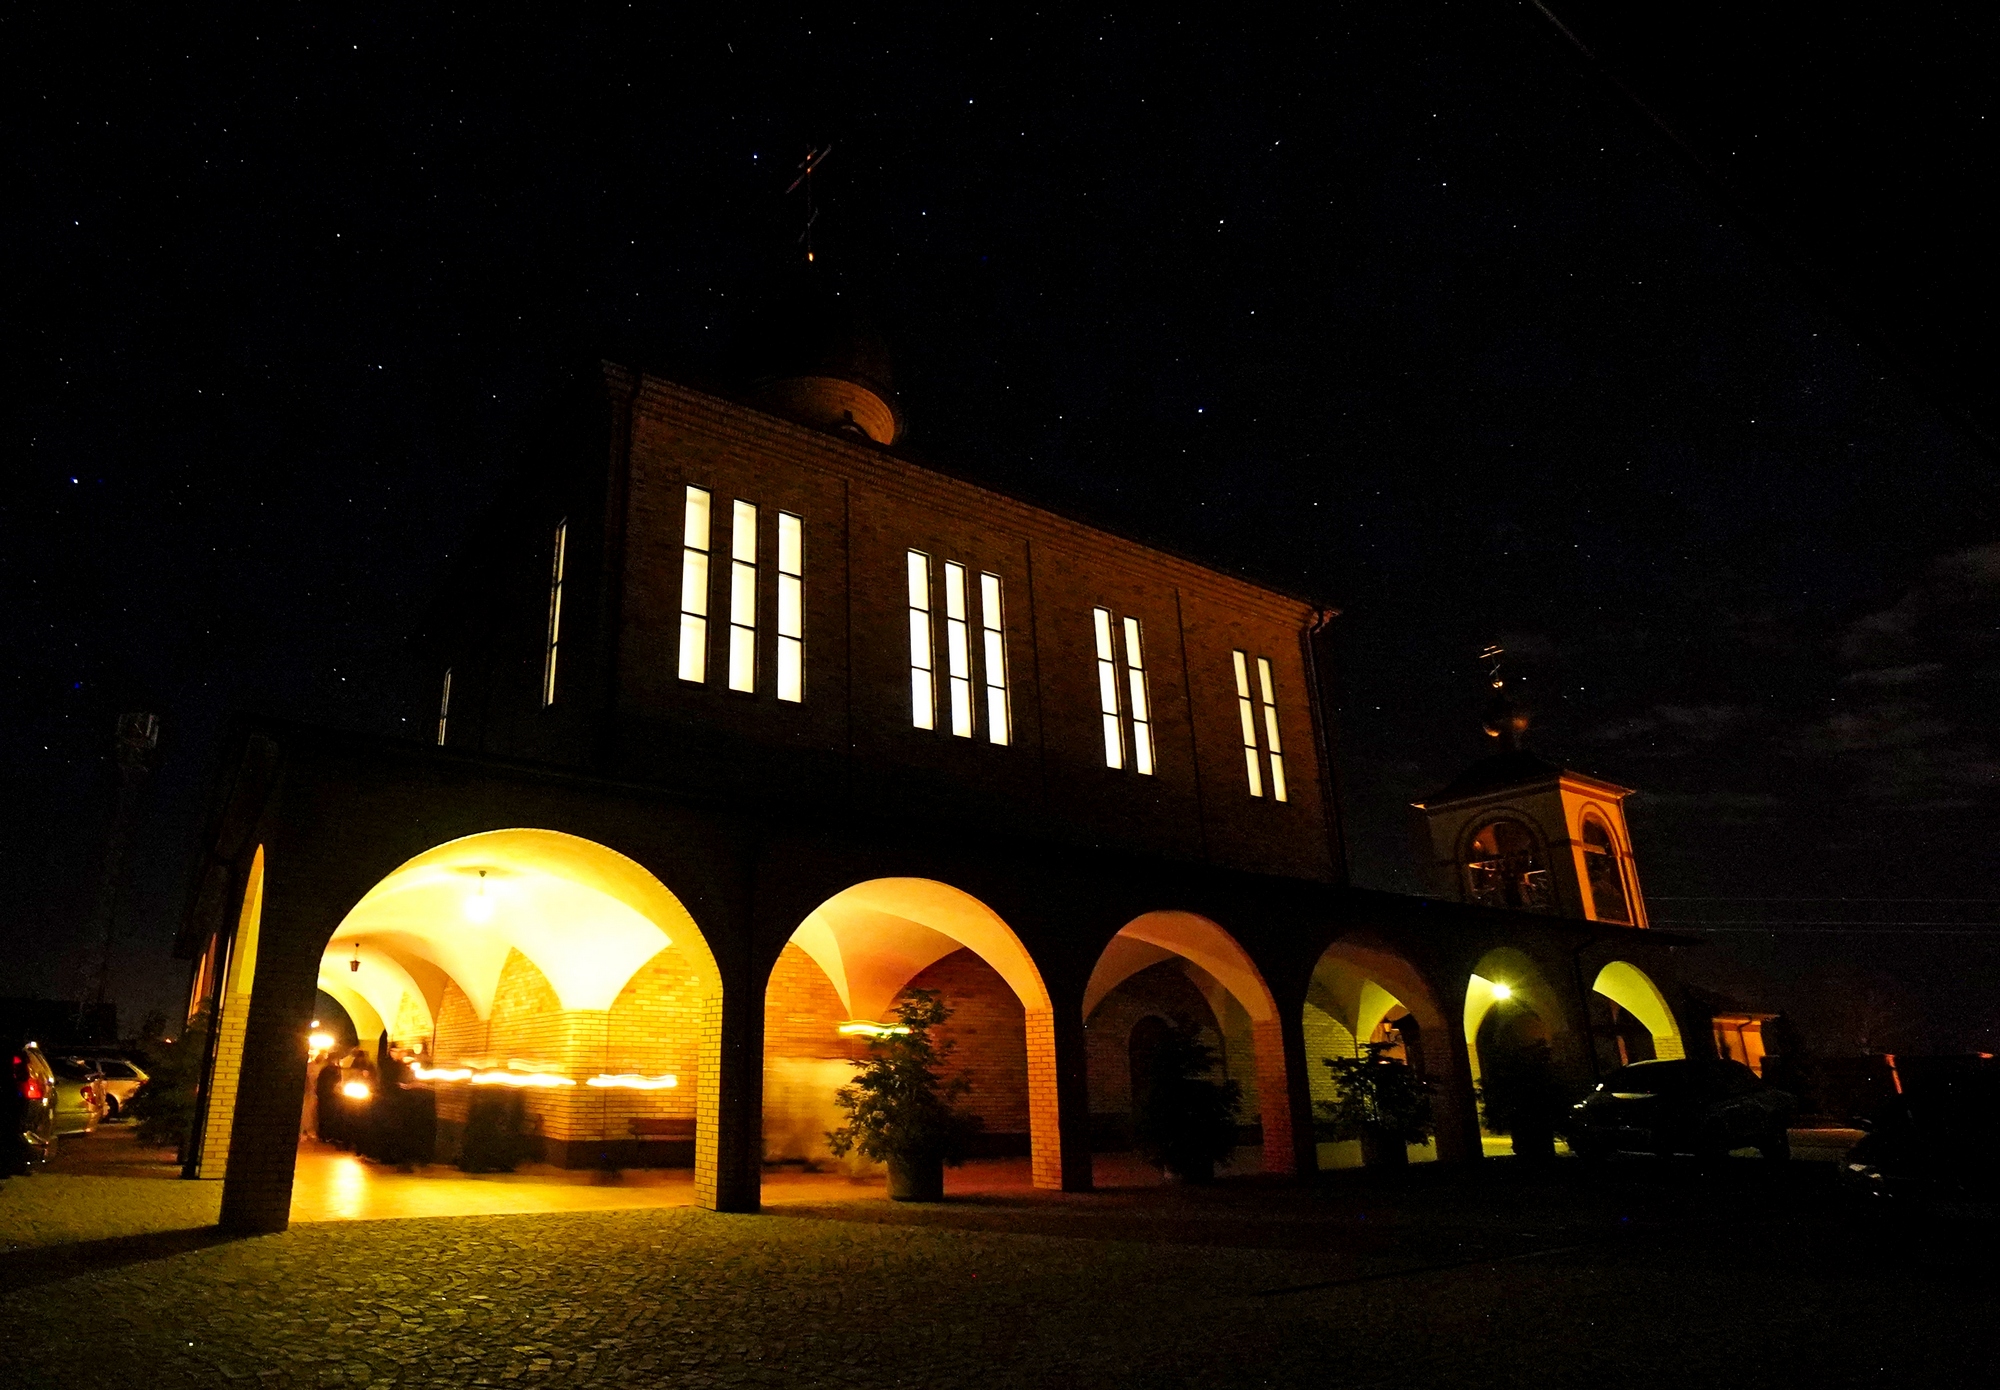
[479,907]
[1503,991]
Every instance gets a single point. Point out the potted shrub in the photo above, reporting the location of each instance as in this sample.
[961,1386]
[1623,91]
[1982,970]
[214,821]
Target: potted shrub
[901,1110]
[1522,1098]
[1379,1101]
[1183,1119]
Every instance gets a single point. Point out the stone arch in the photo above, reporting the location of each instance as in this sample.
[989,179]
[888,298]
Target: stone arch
[872,940]
[1632,990]
[1153,937]
[1359,989]
[437,936]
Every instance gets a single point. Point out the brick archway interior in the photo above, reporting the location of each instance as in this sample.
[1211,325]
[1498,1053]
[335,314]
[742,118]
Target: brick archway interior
[849,962]
[1179,964]
[1357,992]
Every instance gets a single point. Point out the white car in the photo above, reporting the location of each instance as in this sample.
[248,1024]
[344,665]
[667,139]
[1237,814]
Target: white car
[121,1081]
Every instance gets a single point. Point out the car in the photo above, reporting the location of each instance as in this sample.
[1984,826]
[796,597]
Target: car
[27,1108]
[1935,1143]
[79,1102]
[121,1081]
[1701,1106]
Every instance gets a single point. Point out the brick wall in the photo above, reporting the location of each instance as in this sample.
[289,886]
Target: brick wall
[1161,990]
[652,1029]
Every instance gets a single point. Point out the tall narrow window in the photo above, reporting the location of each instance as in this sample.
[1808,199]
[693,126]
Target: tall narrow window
[743,597]
[444,706]
[958,650]
[992,623]
[791,608]
[1141,708]
[923,675]
[1249,717]
[1271,743]
[555,614]
[694,587]
[1107,689]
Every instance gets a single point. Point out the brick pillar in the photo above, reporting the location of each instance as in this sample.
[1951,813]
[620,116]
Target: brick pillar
[264,1128]
[1448,1066]
[1045,1140]
[729,1119]
[1274,1096]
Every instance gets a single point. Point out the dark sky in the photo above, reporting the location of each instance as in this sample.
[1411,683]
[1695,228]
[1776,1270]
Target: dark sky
[1410,308]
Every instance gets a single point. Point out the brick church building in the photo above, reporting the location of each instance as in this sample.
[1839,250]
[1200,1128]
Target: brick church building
[746,724]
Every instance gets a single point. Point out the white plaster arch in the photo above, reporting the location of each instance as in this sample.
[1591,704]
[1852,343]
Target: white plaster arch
[1629,987]
[1153,937]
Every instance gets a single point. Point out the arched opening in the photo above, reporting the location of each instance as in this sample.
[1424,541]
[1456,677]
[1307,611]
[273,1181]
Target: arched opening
[517,1000]
[1604,871]
[1362,994]
[1505,867]
[1513,1019]
[1630,1020]
[848,963]
[1180,968]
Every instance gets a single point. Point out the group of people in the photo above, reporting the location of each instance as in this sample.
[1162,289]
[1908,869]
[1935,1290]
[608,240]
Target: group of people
[375,1106]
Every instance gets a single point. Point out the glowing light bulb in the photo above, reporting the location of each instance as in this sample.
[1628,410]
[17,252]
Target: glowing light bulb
[479,907]
[320,1042]
[1503,991]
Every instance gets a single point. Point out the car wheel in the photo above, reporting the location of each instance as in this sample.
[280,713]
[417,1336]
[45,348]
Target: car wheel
[1776,1146]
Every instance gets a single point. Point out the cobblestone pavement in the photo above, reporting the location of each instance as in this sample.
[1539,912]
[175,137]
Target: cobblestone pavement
[1502,1278]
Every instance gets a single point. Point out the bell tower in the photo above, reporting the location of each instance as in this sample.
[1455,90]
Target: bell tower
[1517,831]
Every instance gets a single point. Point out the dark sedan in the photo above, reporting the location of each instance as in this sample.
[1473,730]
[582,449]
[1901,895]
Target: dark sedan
[1938,1141]
[1694,1106]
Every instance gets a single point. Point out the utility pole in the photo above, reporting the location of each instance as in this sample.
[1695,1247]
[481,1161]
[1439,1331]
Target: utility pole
[138,740]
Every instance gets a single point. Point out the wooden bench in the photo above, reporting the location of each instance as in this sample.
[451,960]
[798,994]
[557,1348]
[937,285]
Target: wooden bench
[662,1127]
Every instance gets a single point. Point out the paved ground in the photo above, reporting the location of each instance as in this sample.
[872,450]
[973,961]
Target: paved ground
[1636,1274]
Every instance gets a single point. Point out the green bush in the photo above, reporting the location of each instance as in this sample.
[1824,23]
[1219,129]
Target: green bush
[1376,1097]
[1183,1119]
[165,1106]
[899,1105]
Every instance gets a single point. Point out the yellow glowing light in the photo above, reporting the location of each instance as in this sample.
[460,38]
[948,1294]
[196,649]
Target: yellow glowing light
[631,1081]
[356,1090]
[872,1030]
[520,1079]
[479,907]
[424,1073]
[320,1042]
[1503,991]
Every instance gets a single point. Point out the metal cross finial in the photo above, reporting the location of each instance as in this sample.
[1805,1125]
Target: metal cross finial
[807,168]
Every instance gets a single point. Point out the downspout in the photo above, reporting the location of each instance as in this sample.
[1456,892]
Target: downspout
[1336,839]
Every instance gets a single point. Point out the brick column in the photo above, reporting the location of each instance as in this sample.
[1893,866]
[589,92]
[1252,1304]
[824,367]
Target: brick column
[729,1119]
[1274,1096]
[1448,1066]
[264,1125]
[1045,1139]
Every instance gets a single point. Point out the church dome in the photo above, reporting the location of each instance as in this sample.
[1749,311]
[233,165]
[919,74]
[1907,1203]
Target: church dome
[816,359]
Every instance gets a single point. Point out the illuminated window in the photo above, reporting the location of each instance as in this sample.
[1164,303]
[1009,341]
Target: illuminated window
[1107,690]
[923,677]
[957,651]
[1601,868]
[1248,714]
[1504,868]
[791,608]
[743,597]
[555,614]
[992,622]
[444,706]
[1271,743]
[1141,708]
[1248,703]
[694,587]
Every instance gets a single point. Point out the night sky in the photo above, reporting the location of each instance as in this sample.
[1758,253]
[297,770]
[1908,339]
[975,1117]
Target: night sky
[1408,308]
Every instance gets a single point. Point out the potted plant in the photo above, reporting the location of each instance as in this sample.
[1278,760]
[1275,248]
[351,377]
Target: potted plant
[1184,1119]
[901,1110]
[1522,1098]
[1379,1101]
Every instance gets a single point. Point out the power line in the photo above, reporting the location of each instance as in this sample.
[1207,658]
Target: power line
[1752,898]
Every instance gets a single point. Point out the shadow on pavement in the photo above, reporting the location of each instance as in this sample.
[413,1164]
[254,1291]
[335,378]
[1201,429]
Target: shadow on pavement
[46,1264]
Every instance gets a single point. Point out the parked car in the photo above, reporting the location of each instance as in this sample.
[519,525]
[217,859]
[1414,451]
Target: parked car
[121,1081]
[1694,1106]
[1937,1142]
[79,1102]
[27,1108]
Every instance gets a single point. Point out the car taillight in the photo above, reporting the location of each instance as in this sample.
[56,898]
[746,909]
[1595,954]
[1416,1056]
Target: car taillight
[31,1089]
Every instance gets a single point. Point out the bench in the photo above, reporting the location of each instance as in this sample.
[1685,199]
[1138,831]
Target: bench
[662,1127]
